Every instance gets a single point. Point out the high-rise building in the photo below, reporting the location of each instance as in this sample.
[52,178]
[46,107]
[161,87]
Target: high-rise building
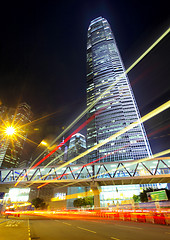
[42,151]
[77,145]
[119,108]
[11,149]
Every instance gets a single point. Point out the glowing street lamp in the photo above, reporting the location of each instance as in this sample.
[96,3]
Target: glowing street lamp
[43,143]
[10,130]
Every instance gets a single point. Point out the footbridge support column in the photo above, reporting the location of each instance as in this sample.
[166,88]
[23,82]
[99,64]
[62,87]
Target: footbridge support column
[96,191]
[4,189]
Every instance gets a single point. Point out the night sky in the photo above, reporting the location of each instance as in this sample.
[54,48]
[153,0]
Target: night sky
[43,58]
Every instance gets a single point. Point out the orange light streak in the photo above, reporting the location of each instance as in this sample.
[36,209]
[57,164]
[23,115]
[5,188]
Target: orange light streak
[109,88]
[154,157]
[36,120]
[161,216]
[87,164]
[62,143]
[113,84]
[159,130]
[132,125]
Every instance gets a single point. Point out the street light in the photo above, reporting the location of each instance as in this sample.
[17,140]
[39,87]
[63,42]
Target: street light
[43,143]
[10,130]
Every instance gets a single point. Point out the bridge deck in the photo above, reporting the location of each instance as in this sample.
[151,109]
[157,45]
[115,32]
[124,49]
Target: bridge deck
[114,173]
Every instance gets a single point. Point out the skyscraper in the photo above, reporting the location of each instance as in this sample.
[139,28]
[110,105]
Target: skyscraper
[119,108]
[11,149]
[77,145]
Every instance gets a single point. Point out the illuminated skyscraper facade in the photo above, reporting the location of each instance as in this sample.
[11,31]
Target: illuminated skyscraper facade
[11,149]
[77,145]
[104,67]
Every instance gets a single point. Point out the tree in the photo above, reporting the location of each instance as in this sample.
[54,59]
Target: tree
[89,201]
[143,195]
[79,202]
[136,198]
[39,203]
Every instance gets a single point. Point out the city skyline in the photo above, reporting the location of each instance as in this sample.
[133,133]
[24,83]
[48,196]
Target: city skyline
[84,119]
[52,78]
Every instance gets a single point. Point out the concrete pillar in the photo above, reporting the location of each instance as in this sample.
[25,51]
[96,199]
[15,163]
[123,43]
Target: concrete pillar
[4,189]
[96,191]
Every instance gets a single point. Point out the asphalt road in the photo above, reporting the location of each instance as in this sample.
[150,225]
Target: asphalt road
[80,230]
[12,229]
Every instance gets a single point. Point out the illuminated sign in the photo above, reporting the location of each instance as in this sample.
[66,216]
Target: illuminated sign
[157,196]
[17,195]
[59,197]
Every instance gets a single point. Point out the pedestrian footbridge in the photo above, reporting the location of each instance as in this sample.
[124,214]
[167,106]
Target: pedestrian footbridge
[106,173]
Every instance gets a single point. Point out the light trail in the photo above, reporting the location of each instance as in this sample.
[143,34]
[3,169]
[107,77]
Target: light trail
[74,195]
[10,131]
[157,155]
[68,138]
[16,127]
[57,157]
[30,123]
[110,87]
[159,130]
[89,193]
[49,164]
[147,214]
[159,124]
[132,125]
[88,108]
[162,136]
[60,176]
[62,143]
[25,138]
[85,165]
[148,50]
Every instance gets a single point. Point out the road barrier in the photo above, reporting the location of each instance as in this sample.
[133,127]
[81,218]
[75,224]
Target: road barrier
[145,216]
[136,215]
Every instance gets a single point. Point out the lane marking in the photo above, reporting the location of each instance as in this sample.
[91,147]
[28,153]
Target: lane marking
[86,229]
[63,222]
[4,221]
[128,226]
[29,232]
[114,238]
[94,221]
[67,223]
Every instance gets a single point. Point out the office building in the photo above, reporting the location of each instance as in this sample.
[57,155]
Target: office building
[118,106]
[11,148]
[77,145]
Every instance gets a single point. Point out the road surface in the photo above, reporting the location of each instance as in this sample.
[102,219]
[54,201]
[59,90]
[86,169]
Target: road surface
[67,229]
